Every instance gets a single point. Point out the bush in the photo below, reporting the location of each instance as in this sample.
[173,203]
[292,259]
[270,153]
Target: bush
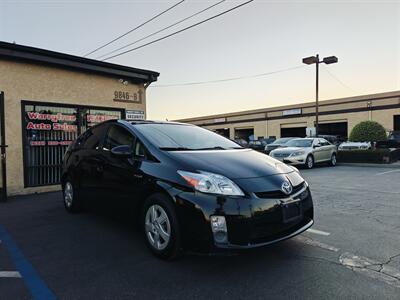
[368,131]
[369,156]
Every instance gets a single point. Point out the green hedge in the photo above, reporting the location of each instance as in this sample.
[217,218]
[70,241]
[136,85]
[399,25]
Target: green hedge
[379,156]
[368,131]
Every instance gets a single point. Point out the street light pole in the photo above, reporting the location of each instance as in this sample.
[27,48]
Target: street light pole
[316,93]
[315,60]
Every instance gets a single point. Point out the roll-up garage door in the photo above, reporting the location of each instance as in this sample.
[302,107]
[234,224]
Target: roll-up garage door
[333,128]
[293,130]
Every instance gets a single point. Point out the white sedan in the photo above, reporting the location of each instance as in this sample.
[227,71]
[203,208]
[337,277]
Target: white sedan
[307,152]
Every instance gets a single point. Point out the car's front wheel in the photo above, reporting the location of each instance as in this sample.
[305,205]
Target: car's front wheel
[309,162]
[161,227]
[71,199]
[333,160]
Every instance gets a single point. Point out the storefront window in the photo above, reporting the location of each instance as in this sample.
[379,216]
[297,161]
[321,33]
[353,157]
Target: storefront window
[49,130]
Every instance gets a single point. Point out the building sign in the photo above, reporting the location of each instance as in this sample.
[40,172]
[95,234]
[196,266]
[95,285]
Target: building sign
[50,143]
[100,118]
[121,96]
[220,120]
[134,115]
[294,111]
[54,120]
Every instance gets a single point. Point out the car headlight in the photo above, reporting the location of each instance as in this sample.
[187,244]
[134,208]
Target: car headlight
[294,168]
[297,153]
[211,183]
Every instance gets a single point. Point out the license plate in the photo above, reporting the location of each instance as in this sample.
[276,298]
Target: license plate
[292,211]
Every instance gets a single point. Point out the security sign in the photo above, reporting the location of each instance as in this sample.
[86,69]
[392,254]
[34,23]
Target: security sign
[134,115]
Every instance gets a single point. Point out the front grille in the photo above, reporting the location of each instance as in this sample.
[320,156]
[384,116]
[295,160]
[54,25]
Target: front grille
[278,194]
[281,154]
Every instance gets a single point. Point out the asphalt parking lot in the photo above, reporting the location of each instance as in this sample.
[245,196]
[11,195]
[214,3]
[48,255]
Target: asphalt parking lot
[352,251]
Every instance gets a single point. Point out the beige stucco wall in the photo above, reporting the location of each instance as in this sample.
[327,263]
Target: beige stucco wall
[21,81]
[273,127]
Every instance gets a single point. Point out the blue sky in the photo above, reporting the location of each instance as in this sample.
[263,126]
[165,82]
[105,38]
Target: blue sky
[260,37]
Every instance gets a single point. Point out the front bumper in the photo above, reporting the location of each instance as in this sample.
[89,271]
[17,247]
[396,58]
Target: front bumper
[251,221]
[293,160]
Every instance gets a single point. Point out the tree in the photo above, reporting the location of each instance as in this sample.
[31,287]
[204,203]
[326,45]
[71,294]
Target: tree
[368,131]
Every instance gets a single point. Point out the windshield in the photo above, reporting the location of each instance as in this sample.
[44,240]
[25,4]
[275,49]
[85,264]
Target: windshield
[282,141]
[300,143]
[184,137]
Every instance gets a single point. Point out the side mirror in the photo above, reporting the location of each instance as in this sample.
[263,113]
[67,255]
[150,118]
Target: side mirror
[317,145]
[122,151]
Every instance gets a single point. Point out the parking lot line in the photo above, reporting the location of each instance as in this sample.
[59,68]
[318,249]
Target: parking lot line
[387,172]
[34,283]
[10,274]
[320,232]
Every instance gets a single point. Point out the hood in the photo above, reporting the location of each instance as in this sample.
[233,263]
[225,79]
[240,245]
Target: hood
[288,149]
[234,164]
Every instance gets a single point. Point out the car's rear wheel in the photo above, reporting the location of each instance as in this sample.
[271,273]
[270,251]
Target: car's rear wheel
[161,227]
[333,160]
[309,162]
[72,202]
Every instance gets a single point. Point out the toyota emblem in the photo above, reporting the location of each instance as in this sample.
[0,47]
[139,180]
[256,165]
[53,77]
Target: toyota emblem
[286,187]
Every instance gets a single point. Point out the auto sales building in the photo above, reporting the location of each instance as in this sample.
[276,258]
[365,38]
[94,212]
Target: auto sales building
[47,99]
[336,117]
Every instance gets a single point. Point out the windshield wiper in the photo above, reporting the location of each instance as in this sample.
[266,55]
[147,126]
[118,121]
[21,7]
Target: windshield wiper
[176,149]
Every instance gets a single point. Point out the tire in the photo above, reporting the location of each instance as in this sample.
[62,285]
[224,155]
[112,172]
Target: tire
[333,160]
[309,164]
[161,227]
[71,199]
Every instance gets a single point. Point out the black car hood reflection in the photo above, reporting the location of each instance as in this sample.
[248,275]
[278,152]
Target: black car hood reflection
[234,164]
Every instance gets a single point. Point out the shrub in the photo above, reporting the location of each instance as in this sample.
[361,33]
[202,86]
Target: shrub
[369,156]
[368,131]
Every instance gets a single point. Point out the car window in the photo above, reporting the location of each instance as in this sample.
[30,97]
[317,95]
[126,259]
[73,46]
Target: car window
[324,142]
[117,136]
[140,150]
[300,143]
[92,138]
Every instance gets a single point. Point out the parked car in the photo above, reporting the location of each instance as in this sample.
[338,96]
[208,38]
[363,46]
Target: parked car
[260,144]
[394,135]
[355,146]
[279,143]
[241,142]
[333,139]
[307,152]
[192,188]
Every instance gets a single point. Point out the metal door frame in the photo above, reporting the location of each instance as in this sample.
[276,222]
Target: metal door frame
[3,148]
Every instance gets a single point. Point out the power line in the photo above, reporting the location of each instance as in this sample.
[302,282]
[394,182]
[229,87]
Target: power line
[338,80]
[229,79]
[179,31]
[133,29]
[161,30]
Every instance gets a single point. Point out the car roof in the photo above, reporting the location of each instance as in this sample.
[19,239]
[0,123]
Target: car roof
[138,122]
[309,138]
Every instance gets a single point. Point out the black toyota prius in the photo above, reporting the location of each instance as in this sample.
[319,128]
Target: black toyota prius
[191,188]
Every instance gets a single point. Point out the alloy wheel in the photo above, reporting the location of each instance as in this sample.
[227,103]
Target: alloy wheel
[333,160]
[310,162]
[157,227]
[68,194]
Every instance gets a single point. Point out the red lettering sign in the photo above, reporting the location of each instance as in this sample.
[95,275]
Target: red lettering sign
[52,117]
[39,126]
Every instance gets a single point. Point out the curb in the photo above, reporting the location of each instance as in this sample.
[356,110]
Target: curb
[395,165]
